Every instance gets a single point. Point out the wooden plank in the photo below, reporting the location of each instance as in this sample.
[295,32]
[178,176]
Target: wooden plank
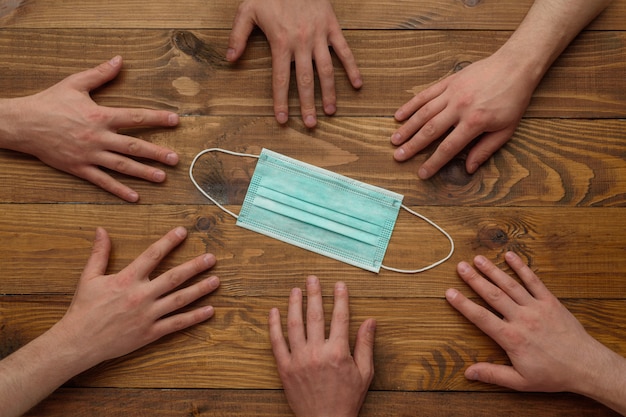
[352,14]
[421,345]
[199,402]
[578,252]
[185,70]
[547,163]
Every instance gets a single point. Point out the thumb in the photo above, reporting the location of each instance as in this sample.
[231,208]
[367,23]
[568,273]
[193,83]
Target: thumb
[99,259]
[242,28]
[364,348]
[503,375]
[95,77]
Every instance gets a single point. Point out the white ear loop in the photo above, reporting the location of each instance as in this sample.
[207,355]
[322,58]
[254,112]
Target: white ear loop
[193,180]
[403,271]
[431,266]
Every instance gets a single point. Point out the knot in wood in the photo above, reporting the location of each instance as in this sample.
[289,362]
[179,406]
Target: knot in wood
[205,224]
[492,237]
[471,3]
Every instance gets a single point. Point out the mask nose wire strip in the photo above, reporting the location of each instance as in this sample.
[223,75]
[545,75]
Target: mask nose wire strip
[439,262]
[193,180]
[404,271]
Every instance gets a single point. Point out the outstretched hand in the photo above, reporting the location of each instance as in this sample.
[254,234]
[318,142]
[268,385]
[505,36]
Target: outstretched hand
[485,100]
[320,376]
[300,31]
[66,129]
[112,315]
[549,349]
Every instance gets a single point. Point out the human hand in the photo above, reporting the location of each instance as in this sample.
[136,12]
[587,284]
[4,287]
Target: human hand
[112,315]
[66,129]
[300,31]
[549,349]
[320,376]
[485,100]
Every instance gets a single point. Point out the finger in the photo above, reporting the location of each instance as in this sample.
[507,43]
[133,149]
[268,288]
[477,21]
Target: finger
[504,282]
[536,287]
[305,78]
[432,130]
[407,109]
[492,294]
[344,53]
[295,324]
[485,320]
[122,118]
[277,339]
[281,73]
[130,167]
[95,77]
[340,322]
[151,257]
[488,144]
[106,182]
[326,74]
[128,145]
[99,259]
[180,298]
[243,25]
[448,149]
[502,375]
[314,311]
[364,349]
[179,322]
[425,113]
[175,277]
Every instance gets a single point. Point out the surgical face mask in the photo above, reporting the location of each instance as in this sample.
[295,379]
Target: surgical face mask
[319,210]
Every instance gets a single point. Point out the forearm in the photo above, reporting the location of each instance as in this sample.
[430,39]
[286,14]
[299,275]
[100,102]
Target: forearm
[11,119]
[34,371]
[547,29]
[605,381]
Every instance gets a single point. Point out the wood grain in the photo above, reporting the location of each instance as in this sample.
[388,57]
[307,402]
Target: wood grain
[419,347]
[266,403]
[185,70]
[548,162]
[578,252]
[555,194]
[352,14]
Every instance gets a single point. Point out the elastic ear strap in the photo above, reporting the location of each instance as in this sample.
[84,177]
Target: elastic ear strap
[414,271]
[193,180]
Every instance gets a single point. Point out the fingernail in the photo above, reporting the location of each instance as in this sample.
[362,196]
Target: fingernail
[173,119]
[282,117]
[330,109]
[422,173]
[451,294]
[395,139]
[158,176]
[463,267]
[309,121]
[480,260]
[358,83]
[230,54]
[171,158]
[180,232]
[214,282]
[115,61]
[209,310]
[399,154]
[340,285]
[471,375]
[311,280]
[133,196]
[473,167]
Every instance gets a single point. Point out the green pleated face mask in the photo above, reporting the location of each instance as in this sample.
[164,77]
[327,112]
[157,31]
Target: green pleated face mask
[319,210]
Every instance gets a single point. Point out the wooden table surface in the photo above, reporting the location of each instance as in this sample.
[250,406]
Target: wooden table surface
[555,194]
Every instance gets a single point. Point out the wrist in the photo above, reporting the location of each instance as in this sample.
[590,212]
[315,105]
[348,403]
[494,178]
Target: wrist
[12,117]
